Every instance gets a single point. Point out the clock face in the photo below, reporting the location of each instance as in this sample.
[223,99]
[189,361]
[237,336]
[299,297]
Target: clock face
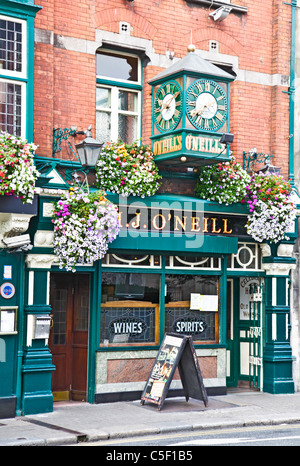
[168,106]
[206,105]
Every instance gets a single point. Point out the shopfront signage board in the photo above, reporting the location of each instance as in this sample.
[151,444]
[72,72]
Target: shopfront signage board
[176,351]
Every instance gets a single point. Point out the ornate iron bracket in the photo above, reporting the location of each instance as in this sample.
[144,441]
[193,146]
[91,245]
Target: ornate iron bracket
[62,134]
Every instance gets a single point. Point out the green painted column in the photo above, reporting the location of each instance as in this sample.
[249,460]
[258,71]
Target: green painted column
[37,361]
[277,353]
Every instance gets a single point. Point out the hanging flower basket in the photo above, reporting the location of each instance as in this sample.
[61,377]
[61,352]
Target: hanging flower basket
[127,170]
[84,225]
[268,196]
[18,173]
[273,211]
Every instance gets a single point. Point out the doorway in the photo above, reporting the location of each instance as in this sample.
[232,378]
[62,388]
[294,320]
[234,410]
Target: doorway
[244,332]
[68,341]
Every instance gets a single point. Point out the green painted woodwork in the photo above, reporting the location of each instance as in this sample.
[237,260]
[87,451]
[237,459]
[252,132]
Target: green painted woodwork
[37,373]
[11,345]
[8,354]
[277,357]
[26,10]
[143,241]
[37,361]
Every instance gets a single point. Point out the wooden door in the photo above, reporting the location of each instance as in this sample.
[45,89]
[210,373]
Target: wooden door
[68,342]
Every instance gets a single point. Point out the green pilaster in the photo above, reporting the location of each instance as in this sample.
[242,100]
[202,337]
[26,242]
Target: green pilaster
[11,341]
[37,362]
[277,355]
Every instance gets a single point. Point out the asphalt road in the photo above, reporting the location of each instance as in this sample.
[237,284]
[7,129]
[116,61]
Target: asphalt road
[277,435]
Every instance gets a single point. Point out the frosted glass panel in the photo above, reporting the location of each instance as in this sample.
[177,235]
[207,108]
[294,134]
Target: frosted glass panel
[103,126]
[127,128]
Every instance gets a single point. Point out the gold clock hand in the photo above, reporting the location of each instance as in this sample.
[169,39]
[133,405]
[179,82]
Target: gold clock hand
[198,111]
[166,104]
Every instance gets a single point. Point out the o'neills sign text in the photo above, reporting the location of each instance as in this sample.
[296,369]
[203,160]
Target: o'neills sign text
[205,144]
[136,217]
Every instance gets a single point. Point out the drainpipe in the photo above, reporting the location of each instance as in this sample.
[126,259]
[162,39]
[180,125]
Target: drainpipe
[291,92]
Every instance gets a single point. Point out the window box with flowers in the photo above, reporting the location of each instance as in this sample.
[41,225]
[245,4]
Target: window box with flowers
[18,173]
[127,170]
[268,197]
[84,224]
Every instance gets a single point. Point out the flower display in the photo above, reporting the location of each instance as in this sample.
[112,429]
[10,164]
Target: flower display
[224,182]
[273,211]
[127,170]
[84,224]
[18,173]
[268,197]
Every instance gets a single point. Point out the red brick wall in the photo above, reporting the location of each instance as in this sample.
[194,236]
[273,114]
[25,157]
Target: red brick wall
[65,80]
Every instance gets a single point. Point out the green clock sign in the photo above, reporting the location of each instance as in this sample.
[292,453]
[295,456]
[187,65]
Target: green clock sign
[206,105]
[168,106]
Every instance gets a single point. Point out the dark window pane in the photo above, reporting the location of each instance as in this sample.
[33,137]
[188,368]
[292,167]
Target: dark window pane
[115,66]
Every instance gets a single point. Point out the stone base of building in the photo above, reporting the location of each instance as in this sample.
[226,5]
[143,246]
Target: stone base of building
[136,395]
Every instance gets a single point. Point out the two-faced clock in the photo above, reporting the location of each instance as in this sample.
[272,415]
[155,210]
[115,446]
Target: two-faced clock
[167,106]
[206,105]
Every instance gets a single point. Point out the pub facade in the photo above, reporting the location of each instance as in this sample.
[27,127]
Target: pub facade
[180,263]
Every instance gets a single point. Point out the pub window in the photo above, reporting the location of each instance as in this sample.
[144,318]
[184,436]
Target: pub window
[131,260]
[193,262]
[192,306]
[118,97]
[12,66]
[129,308]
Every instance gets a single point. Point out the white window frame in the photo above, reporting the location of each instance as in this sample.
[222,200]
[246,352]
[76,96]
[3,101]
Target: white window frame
[8,76]
[18,74]
[115,111]
[116,85]
[23,103]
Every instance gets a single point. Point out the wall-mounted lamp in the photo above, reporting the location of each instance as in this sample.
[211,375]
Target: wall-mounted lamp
[88,150]
[221,13]
[226,139]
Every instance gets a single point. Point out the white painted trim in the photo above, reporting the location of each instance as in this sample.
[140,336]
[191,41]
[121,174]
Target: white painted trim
[23,73]
[274,327]
[274,291]
[30,287]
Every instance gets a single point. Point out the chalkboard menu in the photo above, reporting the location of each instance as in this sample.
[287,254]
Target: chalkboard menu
[175,351]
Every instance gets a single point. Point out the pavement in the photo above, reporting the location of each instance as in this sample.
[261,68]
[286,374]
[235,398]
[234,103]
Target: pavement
[74,422]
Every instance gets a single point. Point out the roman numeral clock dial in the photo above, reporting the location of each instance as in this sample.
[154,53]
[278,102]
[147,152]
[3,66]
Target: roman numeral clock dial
[206,105]
[168,106]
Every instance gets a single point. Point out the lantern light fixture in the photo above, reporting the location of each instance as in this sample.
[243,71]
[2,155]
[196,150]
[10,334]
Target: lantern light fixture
[88,149]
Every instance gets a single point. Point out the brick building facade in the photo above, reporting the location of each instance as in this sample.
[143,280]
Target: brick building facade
[82,52]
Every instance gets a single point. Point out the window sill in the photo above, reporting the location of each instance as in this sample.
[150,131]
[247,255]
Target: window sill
[217,4]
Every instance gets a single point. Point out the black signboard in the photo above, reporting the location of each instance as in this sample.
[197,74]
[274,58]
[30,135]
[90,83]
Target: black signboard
[138,217]
[175,351]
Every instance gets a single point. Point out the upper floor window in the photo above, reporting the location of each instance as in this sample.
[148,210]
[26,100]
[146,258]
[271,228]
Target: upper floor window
[118,97]
[12,66]
[11,45]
